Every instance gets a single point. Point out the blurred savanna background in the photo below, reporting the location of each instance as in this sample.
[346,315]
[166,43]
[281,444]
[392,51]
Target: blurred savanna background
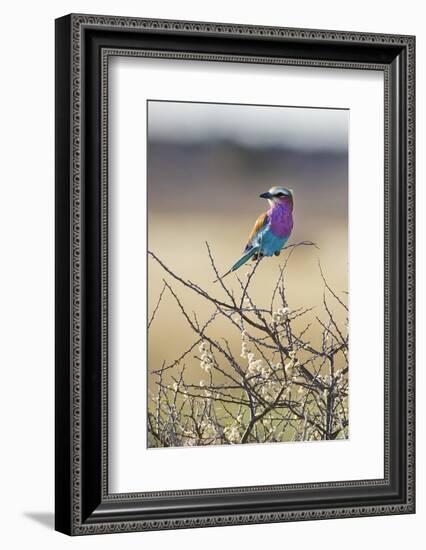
[207,165]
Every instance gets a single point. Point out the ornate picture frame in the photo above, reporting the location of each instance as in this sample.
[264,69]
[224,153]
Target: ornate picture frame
[84,45]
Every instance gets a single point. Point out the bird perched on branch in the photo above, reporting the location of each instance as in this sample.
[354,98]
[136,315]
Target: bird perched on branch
[272,228]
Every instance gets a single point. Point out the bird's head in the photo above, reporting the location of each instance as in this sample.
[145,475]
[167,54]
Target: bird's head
[278,195]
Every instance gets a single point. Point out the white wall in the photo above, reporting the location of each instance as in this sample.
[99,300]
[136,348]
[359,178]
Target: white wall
[26,289]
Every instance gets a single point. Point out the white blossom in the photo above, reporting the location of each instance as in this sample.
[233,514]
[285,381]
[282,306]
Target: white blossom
[205,366]
[280,315]
[232,433]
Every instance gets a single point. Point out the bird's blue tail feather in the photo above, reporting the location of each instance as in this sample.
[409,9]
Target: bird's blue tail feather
[245,258]
[240,262]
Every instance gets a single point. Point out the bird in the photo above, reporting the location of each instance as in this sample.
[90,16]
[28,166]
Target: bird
[271,230]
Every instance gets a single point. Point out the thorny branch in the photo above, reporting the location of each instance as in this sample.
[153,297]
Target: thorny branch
[278,386]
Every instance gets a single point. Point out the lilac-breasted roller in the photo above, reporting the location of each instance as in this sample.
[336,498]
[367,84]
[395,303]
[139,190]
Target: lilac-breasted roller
[272,228]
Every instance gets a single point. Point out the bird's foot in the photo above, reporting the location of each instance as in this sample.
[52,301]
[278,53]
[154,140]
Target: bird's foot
[277,253]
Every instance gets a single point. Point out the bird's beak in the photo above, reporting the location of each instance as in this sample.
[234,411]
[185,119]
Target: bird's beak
[266,195]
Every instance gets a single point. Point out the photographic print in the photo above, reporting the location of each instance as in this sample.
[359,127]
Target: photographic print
[247,274]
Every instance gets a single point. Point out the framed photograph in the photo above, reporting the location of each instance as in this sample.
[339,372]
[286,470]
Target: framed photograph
[234,274]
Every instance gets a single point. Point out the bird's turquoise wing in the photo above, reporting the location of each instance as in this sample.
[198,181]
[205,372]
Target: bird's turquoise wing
[260,223]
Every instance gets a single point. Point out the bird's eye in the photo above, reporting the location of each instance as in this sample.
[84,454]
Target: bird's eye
[279,195]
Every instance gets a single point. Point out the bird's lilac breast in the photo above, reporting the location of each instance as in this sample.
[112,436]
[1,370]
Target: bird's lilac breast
[281,220]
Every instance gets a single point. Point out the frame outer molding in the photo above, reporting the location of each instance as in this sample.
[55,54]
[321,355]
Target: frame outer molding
[70,520]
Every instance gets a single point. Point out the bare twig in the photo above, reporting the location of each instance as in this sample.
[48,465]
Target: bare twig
[280,386]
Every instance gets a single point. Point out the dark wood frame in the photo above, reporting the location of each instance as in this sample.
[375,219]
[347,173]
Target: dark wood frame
[83,46]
